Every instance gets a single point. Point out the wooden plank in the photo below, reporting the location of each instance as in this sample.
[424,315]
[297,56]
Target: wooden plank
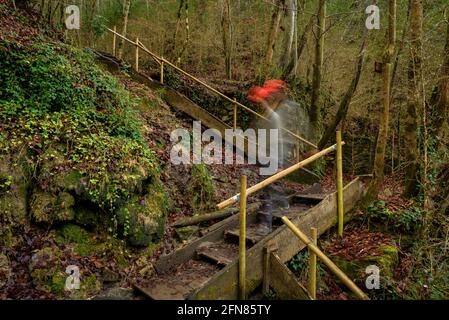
[323,216]
[315,198]
[182,103]
[284,282]
[163,292]
[252,237]
[221,253]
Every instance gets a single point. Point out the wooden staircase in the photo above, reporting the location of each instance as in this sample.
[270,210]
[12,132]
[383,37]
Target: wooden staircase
[207,268]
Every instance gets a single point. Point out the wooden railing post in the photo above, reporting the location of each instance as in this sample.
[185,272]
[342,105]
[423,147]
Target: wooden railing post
[312,264]
[137,55]
[340,184]
[242,239]
[235,114]
[162,70]
[328,262]
[114,42]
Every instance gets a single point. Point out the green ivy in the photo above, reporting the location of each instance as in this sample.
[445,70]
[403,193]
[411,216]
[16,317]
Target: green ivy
[54,96]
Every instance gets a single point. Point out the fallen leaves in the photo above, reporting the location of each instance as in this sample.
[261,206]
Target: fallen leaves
[357,243]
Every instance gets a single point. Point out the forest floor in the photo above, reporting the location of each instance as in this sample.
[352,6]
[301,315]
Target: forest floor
[110,266]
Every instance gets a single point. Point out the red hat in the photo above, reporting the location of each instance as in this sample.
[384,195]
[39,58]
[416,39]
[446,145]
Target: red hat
[257,94]
[275,83]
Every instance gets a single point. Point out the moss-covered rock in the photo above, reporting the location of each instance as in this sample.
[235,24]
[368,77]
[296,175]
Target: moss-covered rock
[5,270]
[13,189]
[185,233]
[386,261]
[73,181]
[48,208]
[143,217]
[74,233]
[46,270]
[87,217]
[89,286]
[134,179]
[80,240]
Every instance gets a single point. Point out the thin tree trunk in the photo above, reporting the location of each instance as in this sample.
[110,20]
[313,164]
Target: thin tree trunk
[301,44]
[346,101]
[178,23]
[315,108]
[187,38]
[290,36]
[399,51]
[126,6]
[441,99]
[382,136]
[411,122]
[227,37]
[272,36]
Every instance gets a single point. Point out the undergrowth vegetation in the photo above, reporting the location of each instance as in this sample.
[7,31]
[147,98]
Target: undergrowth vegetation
[72,131]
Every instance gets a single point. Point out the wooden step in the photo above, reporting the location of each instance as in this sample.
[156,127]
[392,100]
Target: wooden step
[310,198]
[292,212]
[179,283]
[252,236]
[221,253]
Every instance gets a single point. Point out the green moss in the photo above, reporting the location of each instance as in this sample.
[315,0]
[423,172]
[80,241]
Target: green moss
[83,243]
[46,270]
[87,217]
[7,239]
[73,181]
[90,284]
[386,262]
[201,189]
[57,283]
[143,218]
[74,233]
[48,207]
[185,233]
[13,189]
[78,128]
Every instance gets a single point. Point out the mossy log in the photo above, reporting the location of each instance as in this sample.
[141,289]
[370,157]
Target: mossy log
[220,214]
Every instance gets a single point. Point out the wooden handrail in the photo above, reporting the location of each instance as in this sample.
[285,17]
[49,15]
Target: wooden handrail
[277,176]
[163,60]
[328,262]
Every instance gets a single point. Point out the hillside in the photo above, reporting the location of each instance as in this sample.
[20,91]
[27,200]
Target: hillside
[95,203]
[83,168]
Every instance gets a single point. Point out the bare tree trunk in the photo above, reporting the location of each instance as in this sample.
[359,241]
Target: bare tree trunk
[411,122]
[272,36]
[300,45]
[382,136]
[290,36]
[227,36]
[345,102]
[399,50]
[178,23]
[187,38]
[441,98]
[315,107]
[126,6]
